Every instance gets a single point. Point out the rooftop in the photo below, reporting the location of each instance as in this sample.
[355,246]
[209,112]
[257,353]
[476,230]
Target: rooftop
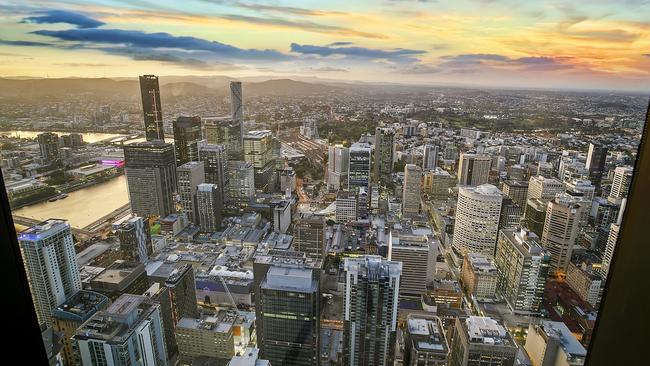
[222,322]
[46,227]
[427,334]
[485,330]
[80,306]
[481,263]
[290,278]
[568,341]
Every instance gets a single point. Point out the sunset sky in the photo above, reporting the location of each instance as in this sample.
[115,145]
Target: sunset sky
[599,44]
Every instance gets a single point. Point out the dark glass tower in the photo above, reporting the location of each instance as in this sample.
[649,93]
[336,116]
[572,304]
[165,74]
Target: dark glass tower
[187,133]
[596,158]
[153,122]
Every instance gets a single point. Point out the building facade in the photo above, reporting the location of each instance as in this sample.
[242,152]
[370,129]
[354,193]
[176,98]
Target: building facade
[153,121]
[477,219]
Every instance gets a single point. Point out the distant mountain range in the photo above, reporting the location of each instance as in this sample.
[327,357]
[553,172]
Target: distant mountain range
[174,86]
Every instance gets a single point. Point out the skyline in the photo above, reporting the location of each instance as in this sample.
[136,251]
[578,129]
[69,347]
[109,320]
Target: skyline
[497,43]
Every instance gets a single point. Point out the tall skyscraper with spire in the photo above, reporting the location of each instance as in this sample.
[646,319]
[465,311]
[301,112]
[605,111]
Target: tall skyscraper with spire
[153,122]
[236,101]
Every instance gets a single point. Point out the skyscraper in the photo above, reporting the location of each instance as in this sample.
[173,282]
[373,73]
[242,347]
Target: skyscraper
[227,132]
[241,183]
[359,166]
[560,231]
[411,190]
[187,133]
[337,167]
[621,182]
[544,188]
[150,169]
[215,163]
[612,240]
[153,121]
[596,158]
[370,310]
[189,176]
[384,151]
[135,239]
[129,332]
[473,169]
[477,219]
[481,341]
[48,145]
[259,151]
[236,102]
[209,206]
[179,279]
[309,235]
[51,265]
[290,313]
[522,266]
[417,252]
[430,157]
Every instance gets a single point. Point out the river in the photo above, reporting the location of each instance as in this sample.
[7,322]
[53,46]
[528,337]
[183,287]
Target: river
[88,136]
[84,206]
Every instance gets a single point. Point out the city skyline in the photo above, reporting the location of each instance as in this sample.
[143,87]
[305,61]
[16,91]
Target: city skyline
[554,45]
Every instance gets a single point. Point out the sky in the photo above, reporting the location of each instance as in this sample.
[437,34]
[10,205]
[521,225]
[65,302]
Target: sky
[575,44]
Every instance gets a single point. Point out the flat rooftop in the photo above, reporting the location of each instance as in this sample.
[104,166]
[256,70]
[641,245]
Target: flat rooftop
[568,341]
[427,334]
[290,278]
[43,228]
[485,330]
[222,322]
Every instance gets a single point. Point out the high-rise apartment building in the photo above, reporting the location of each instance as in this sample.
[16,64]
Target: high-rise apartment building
[309,235]
[430,157]
[621,182]
[227,132]
[560,231]
[473,169]
[337,167]
[359,166]
[290,313]
[153,121]
[596,158]
[150,169]
[417,252]
[188,178]
[129,332]
[370,310]
[208,207]
[481,341]
[612,240]
[215,164]
[135,239]
[48,145]
[477,219]
[51,265]
[384,151]
[522,266]
[187,134]
[411,190]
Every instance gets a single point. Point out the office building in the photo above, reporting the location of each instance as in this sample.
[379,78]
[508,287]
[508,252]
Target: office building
[337,167]
[121,277]
[50,263]
[586,282]
[209,338]
[544,188]
[582,188]
[153,121]
[346,206]
[370,310]
[188,178]
[473,169]
[259,151]
[290,313]
[241,183]
[430,157]
[179,279]
[481,341]
[71,314]
[417,252]
[553,344]
[612,240]
[596,158]
[411,190]
[517,190]
[135,239]
[209,207]
[288,181]
[187,134]
[477,219]
[425,343]
[215,165]
[479,276]
[437,182]
[150,169]
[129,332]
[359,166]
[384,151]
[236,102]
[522,266]
[227,132]
[535,215]
[511,213]
[621,182]
[309,235]
[560,231]
[48,145]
